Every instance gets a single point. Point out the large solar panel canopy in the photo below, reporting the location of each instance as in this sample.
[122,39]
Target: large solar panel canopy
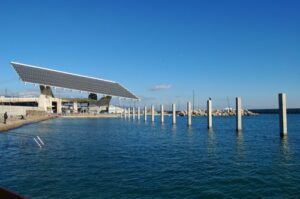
[54,78]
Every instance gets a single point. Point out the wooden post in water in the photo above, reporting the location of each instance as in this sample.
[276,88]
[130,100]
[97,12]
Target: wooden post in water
[152,113]
[189,114]
[133,113]
[139,113]
[209,114]
[162,113]
[282,114]
[174,113]
[238,102]
[145,114]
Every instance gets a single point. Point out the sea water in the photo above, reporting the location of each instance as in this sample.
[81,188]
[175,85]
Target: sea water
[118,158]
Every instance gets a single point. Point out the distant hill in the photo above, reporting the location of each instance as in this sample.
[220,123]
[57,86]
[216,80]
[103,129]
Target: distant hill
[272,111]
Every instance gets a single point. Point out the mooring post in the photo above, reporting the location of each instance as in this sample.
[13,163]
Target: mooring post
[139,113]
[174,113]
[152,113]
[133,113]
[282,114]
[145,114]
[189,114]
[125,114]
[238,113]
[209,114]
[162,113]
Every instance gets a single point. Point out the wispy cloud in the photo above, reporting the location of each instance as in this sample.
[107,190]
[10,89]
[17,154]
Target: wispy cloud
[161,87]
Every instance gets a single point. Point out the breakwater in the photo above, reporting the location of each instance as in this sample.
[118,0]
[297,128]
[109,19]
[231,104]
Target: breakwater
[216,113]
[275,111]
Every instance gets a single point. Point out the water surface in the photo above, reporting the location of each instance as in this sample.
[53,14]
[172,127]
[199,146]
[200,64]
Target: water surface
[117,158]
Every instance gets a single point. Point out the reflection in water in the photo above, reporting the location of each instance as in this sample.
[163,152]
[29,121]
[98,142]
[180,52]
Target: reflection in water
[174,132]
[162,126]
[240,147]
[152,123]
[190,134]
[284,149]
[174,129]
[210,142]
[190,131]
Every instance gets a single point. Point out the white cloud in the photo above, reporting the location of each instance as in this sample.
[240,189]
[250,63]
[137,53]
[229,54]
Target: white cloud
[161,87]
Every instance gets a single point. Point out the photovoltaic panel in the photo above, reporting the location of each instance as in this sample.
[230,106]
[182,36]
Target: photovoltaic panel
[54,78]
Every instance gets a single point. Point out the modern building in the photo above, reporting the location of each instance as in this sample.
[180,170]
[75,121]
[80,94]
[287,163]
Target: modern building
[48,79]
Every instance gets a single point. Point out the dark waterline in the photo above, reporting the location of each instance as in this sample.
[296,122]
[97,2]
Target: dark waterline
[117,158]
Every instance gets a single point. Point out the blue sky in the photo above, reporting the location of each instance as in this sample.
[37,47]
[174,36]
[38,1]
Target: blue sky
[161,50]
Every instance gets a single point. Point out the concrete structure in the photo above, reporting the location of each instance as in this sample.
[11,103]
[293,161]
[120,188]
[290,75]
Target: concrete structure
[282,114]
[75,107]
[238,102]
[139,113]
[48,79]
[152,114]
[209,114]
[19,106]
[162,113]
[145,114]
[115,109]
[59,106]
[189,114]
[16,110]
[174,113]
[51,104]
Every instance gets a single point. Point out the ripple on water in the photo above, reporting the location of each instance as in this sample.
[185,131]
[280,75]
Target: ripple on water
[114,158]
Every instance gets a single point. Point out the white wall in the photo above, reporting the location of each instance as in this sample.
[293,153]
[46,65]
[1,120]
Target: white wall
[16,110]
[115,109]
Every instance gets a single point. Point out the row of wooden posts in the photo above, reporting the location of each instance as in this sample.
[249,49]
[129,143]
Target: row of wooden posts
[238,102]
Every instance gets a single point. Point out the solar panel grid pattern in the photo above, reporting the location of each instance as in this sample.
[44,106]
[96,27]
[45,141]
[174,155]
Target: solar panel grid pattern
[70,81]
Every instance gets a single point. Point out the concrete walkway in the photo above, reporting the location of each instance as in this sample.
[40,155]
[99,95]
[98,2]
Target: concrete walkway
[16,123]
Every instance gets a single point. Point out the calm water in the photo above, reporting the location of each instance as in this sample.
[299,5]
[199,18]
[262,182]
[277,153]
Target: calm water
[115,158]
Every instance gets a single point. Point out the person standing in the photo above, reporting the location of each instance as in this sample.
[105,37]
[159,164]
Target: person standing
[5,117]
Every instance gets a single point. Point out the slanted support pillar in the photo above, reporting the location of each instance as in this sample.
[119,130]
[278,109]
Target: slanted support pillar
[189,114]
[282,114]
[152,113]
[174,113]
[59,106]
[75,107]
[209,114]
[162,113]
[238,101]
